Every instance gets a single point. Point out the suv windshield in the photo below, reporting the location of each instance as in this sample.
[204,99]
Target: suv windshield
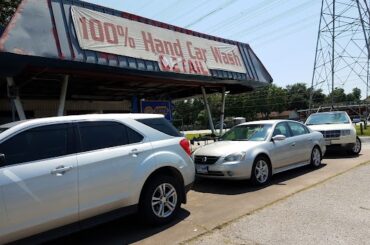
[249,132]
[327,118]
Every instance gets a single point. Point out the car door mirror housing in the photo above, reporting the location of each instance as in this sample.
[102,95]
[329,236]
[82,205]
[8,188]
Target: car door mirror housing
[279,137]
[2,159]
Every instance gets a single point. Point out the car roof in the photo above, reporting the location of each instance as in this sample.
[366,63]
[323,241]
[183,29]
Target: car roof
[83,117]
[328,112]
[266,122]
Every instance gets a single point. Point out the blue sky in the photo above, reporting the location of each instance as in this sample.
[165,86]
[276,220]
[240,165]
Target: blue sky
[282,32]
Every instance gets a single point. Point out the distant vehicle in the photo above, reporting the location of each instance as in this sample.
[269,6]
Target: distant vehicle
[89,169]
[337,129]
[356,119]
[257,150]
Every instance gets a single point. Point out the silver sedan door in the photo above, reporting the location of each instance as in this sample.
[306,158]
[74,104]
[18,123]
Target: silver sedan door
[39,181]
[303,141]
[282,152]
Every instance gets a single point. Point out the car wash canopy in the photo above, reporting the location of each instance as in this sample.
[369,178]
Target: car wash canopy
[113,55]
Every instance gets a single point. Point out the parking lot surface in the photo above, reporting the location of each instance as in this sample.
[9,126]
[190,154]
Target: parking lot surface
[213,204]
[336,212]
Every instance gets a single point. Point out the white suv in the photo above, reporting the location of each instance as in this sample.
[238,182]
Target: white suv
[337,129]
[64,171]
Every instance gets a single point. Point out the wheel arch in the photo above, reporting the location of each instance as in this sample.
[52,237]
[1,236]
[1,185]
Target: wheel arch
[168,171]
[263,154]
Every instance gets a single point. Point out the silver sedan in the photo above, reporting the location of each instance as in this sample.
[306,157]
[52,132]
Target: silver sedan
[257,150]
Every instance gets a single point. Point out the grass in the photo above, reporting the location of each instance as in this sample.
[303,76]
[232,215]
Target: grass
[365,132]
[192,136]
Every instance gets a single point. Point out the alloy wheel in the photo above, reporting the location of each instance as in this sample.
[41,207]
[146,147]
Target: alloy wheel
[316,157]
[357,147]
[164,200]
[261,171]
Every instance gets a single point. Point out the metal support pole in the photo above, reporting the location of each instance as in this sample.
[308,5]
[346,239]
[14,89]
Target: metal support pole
[16,100]
[208,110]
[63,94]
[223,99]
[315,62]
[333,58]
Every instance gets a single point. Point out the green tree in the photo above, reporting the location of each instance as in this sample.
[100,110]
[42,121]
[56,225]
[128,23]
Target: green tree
[7,9]
[298,96]
[277,98]
[355,96]
[339,96]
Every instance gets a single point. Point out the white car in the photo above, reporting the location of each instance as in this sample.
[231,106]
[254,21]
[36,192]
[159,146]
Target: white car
[257,150]
[337,129]
[77,171]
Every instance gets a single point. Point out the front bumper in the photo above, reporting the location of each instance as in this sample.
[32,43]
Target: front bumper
[342,140]
[231,170]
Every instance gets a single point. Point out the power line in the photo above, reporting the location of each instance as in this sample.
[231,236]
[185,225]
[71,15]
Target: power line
[211,13]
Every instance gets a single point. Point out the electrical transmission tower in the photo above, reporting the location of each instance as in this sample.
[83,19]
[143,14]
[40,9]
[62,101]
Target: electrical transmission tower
[342,48]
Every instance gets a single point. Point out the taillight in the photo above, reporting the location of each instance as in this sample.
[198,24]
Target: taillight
[184,143]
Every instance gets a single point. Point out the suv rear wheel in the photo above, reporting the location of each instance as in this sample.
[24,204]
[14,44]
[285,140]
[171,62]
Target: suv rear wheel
[161,200]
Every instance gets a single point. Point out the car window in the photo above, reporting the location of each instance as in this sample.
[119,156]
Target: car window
[297,129]
[328,118]
[162,125]
[281,129]
[36,144]
[247,132]
[100,135]
[133,136]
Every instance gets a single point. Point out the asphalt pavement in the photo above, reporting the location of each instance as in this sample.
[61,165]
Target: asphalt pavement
[335,212]
[215,204]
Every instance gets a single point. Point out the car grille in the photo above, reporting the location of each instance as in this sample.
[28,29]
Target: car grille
[331,134]
[205,159]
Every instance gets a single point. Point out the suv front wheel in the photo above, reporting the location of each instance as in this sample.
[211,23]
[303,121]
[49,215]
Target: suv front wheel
[161,200]
[355,150]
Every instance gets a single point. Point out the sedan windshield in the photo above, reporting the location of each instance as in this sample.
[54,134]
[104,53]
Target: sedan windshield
[327,118]
[249,132]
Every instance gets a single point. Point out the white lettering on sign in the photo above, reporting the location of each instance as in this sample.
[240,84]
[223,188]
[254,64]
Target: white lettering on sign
[175,51]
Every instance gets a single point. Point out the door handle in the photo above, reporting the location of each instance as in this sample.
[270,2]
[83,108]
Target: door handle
[134,152]
[293,144]
[61,170]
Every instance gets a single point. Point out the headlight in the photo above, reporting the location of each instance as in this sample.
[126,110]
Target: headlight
[345,132]
[234,157]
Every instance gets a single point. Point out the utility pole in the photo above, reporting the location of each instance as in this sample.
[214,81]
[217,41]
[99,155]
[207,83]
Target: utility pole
[342,48]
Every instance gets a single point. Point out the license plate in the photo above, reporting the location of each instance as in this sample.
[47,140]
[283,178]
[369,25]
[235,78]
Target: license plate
[201,169]
[327,142]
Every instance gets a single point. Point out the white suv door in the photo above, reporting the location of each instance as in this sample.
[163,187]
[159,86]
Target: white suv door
[110,152]
[39,180]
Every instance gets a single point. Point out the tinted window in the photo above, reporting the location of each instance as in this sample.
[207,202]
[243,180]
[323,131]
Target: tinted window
[248,132]
[100,135]
[297,129]
[282,129]
[328,118]
[36,144]
[161,125]
[133,136]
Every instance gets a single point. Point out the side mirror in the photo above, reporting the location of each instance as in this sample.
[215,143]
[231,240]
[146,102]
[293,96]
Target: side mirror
[279,137]
[2,159]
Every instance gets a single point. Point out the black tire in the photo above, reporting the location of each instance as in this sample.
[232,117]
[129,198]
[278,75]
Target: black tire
[356,149]
[150,191]
[316,157]
[258,180]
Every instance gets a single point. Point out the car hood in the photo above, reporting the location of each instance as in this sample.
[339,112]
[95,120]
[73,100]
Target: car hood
[325,127]
[224,148]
